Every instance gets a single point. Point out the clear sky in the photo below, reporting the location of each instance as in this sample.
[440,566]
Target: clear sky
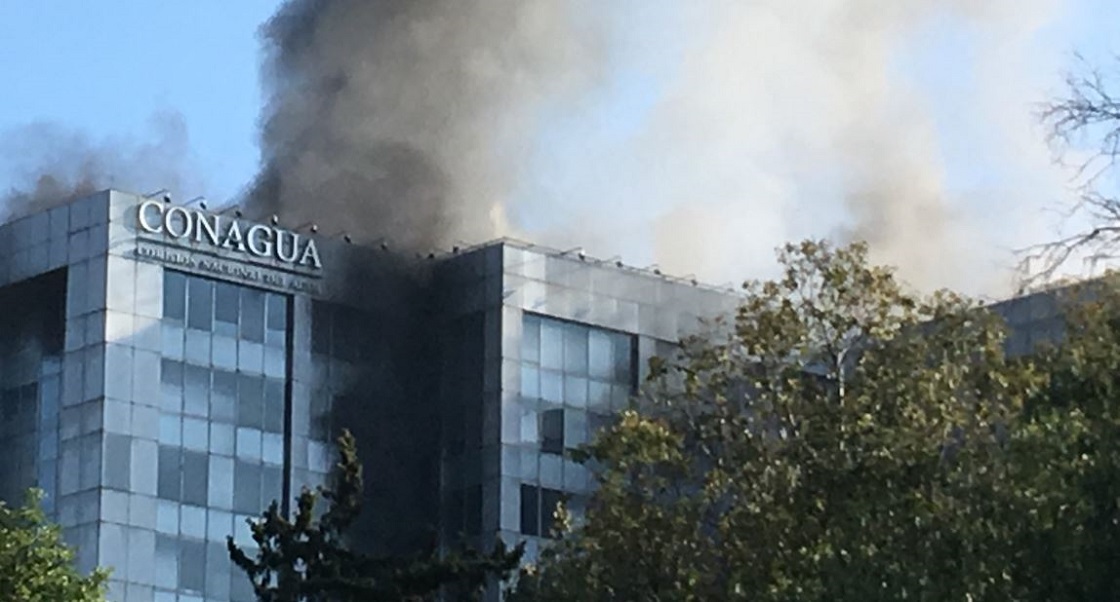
[105,69]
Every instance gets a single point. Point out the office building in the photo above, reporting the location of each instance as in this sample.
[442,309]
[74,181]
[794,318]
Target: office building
[167,371]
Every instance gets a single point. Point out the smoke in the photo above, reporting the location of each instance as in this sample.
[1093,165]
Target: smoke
[695,135]
[407,120]
[47,164]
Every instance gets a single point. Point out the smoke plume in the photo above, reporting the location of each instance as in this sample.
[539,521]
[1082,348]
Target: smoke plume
[47,163]
[407,120]
[697,135]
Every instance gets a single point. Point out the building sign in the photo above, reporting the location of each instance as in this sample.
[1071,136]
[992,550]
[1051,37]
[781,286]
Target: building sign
[216,266]
[180,223]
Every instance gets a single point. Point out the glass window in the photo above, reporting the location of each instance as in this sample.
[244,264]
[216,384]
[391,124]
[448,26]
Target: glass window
[552,345]
[171,386]
[575,349]
[277,306]
[217,571]
[575,391]
[531,339]
[250,401]
[272,484]
[247,488]
[226,307]
[530,511]
[167,562]
[220,486]
[167,517]
[169,485]
[575,428]
[550,499]
[196,381]
[195,434]
[623,359]
[223,397]
[118,465]
[223,350]
[192,565]
[272,448]
[174,295]
[552,386]
[274,405]
[600,355]
[196,473]
[252,315]
[192,521]
[221,438]
[530,381]
[249,443]
[552,431]
[598,395]
[170,429]
[200,303]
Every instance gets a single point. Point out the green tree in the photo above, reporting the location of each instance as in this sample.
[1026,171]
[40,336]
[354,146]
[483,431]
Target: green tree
[308,558]
[1073,547]
[843,439]
[35,564]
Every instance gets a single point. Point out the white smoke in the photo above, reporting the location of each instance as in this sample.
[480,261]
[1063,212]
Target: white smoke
[776,120]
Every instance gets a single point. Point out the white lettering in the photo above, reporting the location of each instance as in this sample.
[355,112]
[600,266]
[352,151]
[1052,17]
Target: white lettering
[260,240]
[169,221]
[204,227]
[280,235]
[234,239]
[145,225]
[179,222]
[310,255]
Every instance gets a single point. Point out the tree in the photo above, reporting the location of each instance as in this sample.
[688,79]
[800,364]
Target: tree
[1087,120]
[1078,416]
[35,564]
[844,439]
[308,559]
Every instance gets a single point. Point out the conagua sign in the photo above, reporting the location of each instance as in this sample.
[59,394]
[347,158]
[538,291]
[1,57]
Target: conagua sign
[184,224]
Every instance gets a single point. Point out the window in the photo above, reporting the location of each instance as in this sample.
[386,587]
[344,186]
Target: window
[192,565]
[538,509]
[169,486]
[552,431]
[174,296]
[225,309]
[200,303]
[575,366]
[252,315]
[530,511]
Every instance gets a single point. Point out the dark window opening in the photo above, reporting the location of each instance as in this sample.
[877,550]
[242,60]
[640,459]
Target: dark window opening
[552,431]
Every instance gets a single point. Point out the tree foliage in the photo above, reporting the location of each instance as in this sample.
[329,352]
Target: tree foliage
[844,439]
[35,564]
[309,559]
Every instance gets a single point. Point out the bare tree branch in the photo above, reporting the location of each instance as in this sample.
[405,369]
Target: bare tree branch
[1087,117]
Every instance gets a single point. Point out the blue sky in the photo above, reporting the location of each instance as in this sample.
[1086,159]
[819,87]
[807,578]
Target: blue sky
[105,68]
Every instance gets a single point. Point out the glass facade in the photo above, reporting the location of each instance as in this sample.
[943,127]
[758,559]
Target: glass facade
[162,398]
[221,428]
[31,345]
[573,378]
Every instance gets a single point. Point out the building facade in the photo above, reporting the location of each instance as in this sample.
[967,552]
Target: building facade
[166,372]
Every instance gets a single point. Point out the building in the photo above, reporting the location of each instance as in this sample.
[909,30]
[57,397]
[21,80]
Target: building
[166,372]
